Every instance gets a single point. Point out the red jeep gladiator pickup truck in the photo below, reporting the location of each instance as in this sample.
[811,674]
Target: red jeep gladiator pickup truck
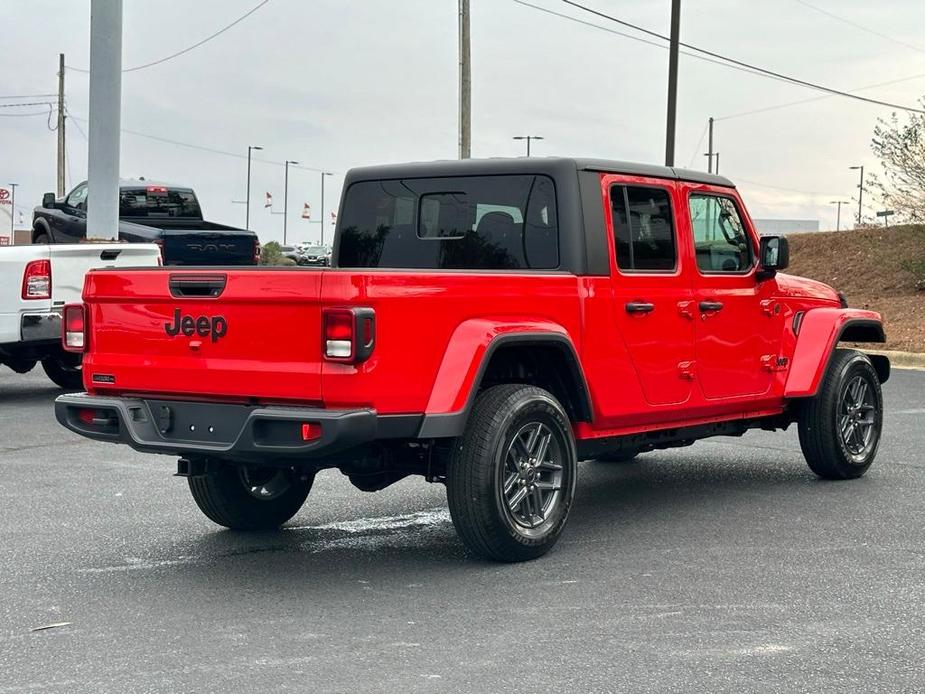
[487,325]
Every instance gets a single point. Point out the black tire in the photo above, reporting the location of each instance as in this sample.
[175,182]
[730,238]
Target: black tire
[618,457]
[487,457]
[64,370]
[224,495]
[839,440]
[42,239]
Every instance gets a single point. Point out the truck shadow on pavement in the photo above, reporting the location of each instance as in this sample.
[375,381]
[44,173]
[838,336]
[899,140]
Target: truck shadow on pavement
[30,395]
[619,511]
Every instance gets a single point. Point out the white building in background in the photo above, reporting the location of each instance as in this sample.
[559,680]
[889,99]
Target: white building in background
[786,226]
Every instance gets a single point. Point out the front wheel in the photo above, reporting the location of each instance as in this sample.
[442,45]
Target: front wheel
[64,370]
[840,427]
[511,475]
[250,498]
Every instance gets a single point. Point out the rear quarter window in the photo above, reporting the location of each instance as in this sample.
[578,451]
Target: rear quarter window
[463,222]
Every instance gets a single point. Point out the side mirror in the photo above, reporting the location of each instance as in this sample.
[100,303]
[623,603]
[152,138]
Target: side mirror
[48,201]
[773,255]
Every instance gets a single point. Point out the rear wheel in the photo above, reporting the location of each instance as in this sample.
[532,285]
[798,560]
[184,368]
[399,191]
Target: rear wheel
[250,498]
[511,475]
[42,239]
[65,370]
[840,427]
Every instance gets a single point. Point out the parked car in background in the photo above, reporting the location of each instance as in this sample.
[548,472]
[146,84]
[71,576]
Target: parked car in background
[35,283]
[149,212]
[313,254]
[291,252]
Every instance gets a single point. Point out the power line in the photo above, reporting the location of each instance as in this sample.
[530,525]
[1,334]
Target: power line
[856,25]
[25,96]
[26,103]
[23,115]
[188,48]
[739,179]
[817,98]
[740,63]
[201,148]
[696,56]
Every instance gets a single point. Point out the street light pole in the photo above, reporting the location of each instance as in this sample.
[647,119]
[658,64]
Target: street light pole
[860,192]
[13,213]
[286,198]
[529,139]
[247,202]
[321,221]
[672,81]
[838,213]
[709,154]
[465,83]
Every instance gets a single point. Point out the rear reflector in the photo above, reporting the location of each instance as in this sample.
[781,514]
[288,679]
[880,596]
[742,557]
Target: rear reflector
[74,333]
[36,280]
[311,431]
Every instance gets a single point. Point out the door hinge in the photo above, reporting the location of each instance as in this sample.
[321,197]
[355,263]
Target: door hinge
[685,308]
[686,370]
[769,307]
[772,362]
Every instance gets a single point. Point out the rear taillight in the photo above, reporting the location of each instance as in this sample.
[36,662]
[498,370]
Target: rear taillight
[74,328]
[256,252]
[36,280]
[349,334]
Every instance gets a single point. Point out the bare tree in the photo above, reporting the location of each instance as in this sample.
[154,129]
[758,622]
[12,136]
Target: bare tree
[901,150]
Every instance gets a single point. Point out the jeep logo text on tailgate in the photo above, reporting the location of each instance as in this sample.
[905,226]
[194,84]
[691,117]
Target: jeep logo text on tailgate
[216,326]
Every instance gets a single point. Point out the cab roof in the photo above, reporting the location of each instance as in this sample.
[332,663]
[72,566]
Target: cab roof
[553,166]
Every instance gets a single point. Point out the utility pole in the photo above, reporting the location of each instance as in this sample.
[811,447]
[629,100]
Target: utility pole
[286,197]
[465,84]
[62,151]
[105,119]
[838,213]
[709,154]
[672,81]
[323,175]
[860,192]
[247,202]
[528,138]
[13,213]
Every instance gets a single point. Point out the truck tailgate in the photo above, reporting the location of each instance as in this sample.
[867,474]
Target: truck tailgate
[193,247]
[70,262]
[240,334]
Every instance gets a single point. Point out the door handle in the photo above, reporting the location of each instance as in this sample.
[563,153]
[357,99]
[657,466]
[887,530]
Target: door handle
[639,307]
[706,306]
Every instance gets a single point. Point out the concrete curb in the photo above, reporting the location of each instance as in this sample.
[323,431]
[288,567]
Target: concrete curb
[902,360]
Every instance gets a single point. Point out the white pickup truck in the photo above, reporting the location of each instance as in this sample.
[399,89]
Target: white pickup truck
[35,283]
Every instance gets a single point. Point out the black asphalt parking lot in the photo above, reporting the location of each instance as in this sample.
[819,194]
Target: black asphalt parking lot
[726,566]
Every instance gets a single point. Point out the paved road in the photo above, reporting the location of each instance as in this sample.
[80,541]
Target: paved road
[722,567]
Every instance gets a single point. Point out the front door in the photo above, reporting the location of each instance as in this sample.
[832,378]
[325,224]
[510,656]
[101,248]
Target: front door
[736,327]
[652,294]
[74,215]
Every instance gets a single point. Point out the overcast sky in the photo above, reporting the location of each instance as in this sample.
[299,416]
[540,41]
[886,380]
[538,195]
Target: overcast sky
[339,83]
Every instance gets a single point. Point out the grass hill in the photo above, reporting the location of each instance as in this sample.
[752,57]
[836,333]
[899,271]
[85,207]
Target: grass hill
[879,269]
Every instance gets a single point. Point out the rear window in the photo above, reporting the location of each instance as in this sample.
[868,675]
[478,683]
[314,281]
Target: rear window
[464,222]
[158,201]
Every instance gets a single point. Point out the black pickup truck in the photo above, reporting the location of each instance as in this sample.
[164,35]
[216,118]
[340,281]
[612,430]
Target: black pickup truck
[149,212]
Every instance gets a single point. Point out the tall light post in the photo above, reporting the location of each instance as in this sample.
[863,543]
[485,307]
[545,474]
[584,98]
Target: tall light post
[860,191]
[286,198]
[529,139]
[12,212]
[324,174]
[672,81]
[838,213]
[247,202]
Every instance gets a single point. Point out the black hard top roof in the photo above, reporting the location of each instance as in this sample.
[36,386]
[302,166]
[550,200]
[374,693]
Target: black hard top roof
[548,165]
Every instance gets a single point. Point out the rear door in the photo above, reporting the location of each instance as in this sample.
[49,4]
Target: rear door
[651,290]
[738,328]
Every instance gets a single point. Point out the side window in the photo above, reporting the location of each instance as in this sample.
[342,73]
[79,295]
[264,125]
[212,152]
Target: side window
[78,197]
[643,228]
[720,240]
